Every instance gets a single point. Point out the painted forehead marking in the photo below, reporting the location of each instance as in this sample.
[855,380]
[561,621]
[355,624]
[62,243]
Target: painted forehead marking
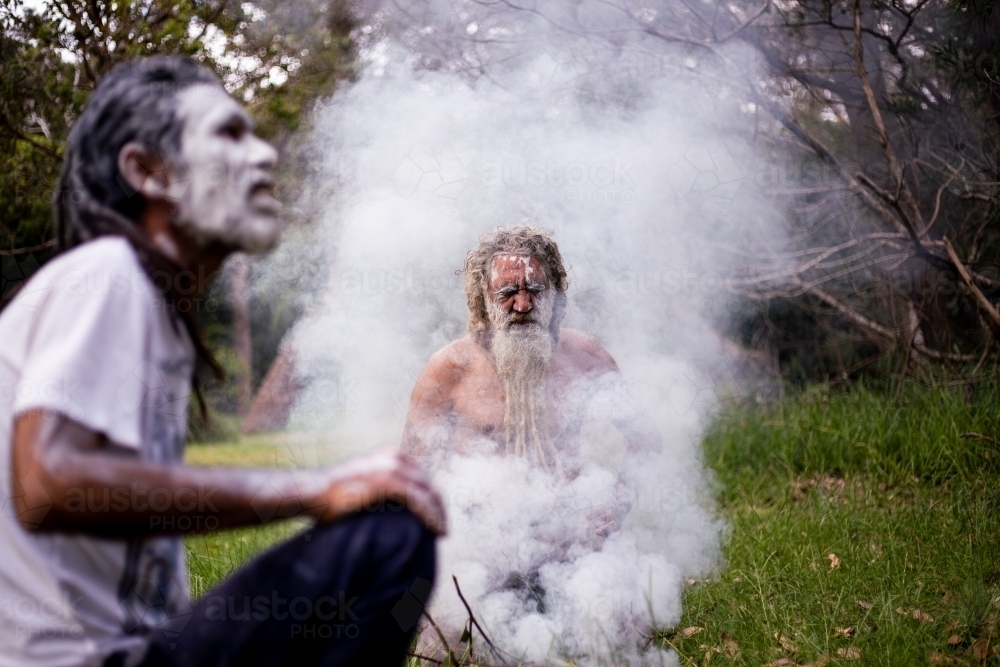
[532,271]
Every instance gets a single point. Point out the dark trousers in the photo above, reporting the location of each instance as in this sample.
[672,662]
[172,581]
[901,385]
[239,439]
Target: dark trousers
[347,593]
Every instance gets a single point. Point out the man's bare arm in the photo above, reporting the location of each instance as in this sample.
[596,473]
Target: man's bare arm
[68,478]
[431,403]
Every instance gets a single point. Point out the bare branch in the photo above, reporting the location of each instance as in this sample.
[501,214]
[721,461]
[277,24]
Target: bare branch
[908,207]
[937,198]
[851,314]
[980,298]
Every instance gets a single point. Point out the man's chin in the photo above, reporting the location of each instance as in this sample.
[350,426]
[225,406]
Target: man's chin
[257,235]
[251,234]
[522,329]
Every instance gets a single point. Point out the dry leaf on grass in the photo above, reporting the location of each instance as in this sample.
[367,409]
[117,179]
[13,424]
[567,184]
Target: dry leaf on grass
[915,614]
[846,633]
[730,645]
[779,662]
[849,653]
[819,662]
[712,650]
[690,632]
[982,650]
[834,561]
[954,640]
[785,642]
[865,605]
[938,658]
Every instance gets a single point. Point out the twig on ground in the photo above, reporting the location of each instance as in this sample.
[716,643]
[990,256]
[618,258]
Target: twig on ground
[447,646]
[472,619]
[424,657]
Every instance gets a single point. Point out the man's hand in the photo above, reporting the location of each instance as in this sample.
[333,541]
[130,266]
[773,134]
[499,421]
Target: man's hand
[603,521]
[385,478]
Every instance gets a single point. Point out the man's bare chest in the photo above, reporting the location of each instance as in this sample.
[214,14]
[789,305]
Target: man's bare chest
[478,399]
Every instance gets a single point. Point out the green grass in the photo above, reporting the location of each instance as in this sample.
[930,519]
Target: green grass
[214,556]
[882,480]
[887,485]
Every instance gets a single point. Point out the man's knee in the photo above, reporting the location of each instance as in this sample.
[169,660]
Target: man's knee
[400,533]
[388,537]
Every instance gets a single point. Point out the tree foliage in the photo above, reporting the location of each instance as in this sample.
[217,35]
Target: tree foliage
[896,247]
[275,57]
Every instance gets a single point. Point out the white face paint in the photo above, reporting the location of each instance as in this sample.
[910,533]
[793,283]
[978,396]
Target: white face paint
[223,185]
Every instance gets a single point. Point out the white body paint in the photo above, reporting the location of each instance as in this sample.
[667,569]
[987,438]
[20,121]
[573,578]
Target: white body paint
[223,185]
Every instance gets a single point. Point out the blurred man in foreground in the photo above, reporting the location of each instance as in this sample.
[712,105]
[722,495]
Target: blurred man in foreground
[519,384]
[163,178]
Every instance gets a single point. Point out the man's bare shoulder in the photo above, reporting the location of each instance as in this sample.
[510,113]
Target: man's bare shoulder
[451,362]
[584,352]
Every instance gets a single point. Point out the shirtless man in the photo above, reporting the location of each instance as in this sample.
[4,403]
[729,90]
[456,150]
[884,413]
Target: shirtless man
[519,384]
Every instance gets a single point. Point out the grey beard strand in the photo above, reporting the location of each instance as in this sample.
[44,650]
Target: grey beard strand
[521,359]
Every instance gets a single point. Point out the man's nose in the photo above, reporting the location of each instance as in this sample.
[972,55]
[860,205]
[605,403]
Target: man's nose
[262,154]
[522,302]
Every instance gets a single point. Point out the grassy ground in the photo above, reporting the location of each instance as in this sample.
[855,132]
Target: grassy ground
[865,531]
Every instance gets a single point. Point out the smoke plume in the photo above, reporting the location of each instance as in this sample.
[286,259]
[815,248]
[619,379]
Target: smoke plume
[638,159]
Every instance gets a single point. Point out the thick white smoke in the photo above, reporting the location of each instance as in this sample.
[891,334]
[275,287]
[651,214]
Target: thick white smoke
[642,178]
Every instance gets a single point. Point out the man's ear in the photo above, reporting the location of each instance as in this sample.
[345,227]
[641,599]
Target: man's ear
[143,171]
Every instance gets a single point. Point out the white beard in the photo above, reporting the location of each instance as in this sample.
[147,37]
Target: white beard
[521,353]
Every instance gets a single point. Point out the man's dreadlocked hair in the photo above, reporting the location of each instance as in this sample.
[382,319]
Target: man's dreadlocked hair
[520,240]
[135,102]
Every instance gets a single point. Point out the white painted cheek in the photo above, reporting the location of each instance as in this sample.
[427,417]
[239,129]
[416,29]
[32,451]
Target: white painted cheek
[234,192]
[216,201]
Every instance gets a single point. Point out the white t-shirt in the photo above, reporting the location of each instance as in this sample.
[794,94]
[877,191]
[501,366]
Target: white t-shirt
[89,337]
